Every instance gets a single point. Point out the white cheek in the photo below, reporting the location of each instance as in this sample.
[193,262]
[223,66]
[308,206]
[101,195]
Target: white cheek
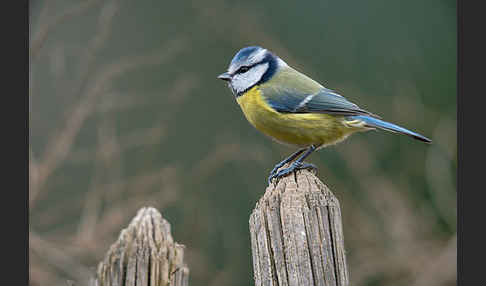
[241,82]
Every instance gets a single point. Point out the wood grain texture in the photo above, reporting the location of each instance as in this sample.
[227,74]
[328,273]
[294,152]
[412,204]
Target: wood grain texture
[296,234]
[145,254]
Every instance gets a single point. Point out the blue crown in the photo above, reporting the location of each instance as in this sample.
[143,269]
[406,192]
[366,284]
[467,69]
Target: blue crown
[244,53]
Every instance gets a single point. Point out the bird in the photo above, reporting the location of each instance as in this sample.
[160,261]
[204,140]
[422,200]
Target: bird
[293,109]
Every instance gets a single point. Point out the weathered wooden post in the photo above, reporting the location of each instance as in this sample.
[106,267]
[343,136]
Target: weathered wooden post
[296,234]
[145,254]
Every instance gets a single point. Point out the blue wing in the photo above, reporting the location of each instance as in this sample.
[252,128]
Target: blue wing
[322,101]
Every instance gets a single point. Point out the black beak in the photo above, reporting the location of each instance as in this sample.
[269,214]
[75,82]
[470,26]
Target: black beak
[225,76]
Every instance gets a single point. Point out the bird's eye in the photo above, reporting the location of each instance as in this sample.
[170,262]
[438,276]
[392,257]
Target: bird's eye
[243,69]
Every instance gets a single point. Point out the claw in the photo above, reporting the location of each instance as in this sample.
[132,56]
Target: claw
[293,167]
[279,165]
[275,169]
[308,166]
[298,164]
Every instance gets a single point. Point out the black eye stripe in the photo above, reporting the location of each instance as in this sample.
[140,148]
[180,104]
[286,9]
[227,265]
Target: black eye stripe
[243,69]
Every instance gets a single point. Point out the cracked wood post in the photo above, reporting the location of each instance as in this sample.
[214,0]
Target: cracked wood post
[145,254]
[296,234]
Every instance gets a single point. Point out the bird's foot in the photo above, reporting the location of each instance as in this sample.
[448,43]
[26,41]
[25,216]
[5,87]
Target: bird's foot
[290,158]
[294,166]
[275,169]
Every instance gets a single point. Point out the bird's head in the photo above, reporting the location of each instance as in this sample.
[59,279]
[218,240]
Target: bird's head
[249,67]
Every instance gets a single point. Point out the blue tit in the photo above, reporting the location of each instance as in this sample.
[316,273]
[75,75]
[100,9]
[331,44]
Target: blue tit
[294,109]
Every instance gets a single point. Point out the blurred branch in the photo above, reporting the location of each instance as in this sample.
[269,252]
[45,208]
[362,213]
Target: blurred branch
[108,224]
[61,143]
[160,186]
[106,16]
[33,169]
[223,153]
[443,270]
[56,257]
[105,21]
[107,166]
[167,193]
[44,29]
[440,170]
[146,136]
[121,102]
[140,183]
[138,138]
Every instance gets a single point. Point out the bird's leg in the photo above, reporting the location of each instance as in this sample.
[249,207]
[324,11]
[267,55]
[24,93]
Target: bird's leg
[290,158]
[298,164]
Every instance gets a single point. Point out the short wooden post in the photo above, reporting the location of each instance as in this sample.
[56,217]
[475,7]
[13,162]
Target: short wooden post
[145,254]
[296,234]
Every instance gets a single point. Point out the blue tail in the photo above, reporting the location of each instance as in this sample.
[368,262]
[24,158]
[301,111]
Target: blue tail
[377,123]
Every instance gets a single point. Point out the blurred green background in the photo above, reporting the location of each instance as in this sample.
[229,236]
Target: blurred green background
[126,111]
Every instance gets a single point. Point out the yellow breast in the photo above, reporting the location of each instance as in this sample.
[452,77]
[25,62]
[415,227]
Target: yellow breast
[301,129]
